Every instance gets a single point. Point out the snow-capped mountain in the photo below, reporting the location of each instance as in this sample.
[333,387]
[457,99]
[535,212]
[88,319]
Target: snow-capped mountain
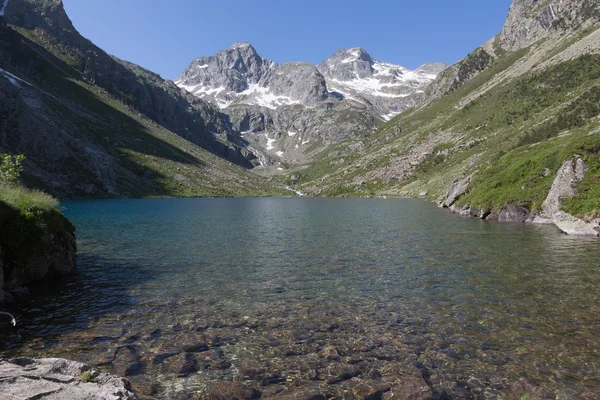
[238,75]
[288,113]
[354,75]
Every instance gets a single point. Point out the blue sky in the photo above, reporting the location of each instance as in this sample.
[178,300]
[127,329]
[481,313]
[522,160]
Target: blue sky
[165,36]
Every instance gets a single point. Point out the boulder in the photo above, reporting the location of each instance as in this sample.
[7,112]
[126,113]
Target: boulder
[58,379]
[565,185]
[458,188]
[513,213]
[574,226]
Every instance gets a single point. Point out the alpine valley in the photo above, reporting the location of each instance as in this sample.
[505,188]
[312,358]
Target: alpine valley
[191,295]
[486,136]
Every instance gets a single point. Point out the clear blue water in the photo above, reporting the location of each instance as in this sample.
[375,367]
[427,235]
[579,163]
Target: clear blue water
[176,292]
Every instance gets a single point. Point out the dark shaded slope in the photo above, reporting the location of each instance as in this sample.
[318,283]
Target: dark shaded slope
[47,25]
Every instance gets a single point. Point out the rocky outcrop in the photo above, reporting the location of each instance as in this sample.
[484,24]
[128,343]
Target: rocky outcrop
[58,379]
[33,248]
[458,188]
[456,75]
[532,20]
[565,185]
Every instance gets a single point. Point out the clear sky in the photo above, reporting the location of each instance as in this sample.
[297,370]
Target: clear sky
[166,35]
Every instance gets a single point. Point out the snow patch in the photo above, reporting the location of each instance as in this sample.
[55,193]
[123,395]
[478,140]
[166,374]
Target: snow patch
[371,86]
[270,143]
[389,116]
[292,133]
[261,96]
[3,8]
[280,153]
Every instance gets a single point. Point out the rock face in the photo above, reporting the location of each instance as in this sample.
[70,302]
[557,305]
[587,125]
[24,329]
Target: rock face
[565,184]
[238,75]
[531,20]
[33,250]
[58,379]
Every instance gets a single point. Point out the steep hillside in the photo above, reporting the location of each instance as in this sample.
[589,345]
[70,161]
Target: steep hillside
[503,121]
[92,125]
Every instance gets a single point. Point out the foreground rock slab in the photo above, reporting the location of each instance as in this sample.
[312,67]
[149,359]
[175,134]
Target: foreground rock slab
[58,379]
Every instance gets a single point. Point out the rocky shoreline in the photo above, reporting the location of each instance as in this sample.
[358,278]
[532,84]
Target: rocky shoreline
[55,378]
[568,177]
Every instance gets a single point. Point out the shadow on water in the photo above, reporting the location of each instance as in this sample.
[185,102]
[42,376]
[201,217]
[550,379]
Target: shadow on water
[98,295]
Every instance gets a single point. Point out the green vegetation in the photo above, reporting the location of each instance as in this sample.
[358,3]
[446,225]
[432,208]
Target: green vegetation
[26,200]
[87,377]
[10,168]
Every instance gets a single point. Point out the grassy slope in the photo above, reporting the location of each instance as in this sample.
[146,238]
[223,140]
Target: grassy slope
[514,137]
[173,165]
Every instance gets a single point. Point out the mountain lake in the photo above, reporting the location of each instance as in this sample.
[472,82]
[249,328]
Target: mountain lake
[314,295]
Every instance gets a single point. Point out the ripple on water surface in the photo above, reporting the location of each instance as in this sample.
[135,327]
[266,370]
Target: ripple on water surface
[337,297]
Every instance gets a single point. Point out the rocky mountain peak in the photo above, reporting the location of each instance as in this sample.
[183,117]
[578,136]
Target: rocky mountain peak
[347,64]
[239,75]
[388,88]
[231,71]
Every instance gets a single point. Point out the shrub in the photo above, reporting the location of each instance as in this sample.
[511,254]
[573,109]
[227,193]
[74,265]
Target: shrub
[10,168]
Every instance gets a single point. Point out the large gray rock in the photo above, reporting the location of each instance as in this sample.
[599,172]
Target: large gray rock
[565,185]
[570,174]
[458,188]
[514,213]
[58,379]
